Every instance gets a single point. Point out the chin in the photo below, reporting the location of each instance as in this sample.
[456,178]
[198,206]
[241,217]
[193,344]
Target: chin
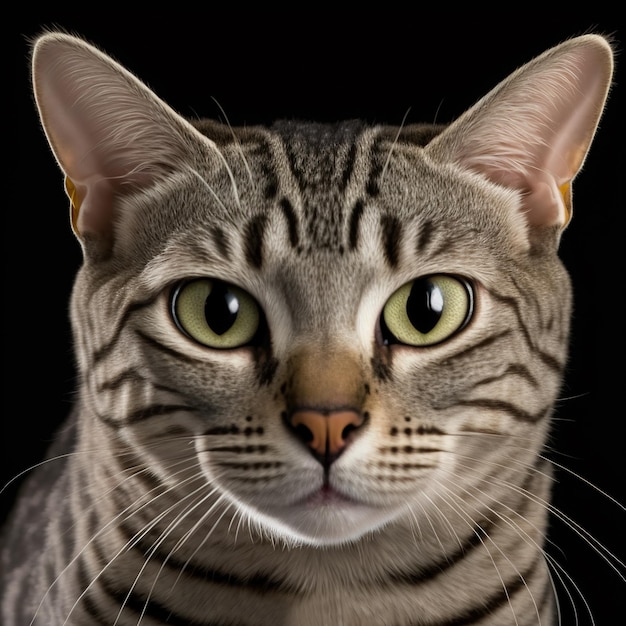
[321,521]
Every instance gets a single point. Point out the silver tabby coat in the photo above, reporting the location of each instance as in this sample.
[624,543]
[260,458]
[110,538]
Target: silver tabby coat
[317,362]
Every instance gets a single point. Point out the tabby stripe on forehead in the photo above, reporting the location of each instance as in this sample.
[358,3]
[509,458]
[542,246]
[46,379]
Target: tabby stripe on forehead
[425,236]
[220,239]
[349,167]
[292,222]
[355,218]
[376,168]
[391,230]
[253,240]
[260,149]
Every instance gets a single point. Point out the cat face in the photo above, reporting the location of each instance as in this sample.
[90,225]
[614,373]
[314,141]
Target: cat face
[333,360]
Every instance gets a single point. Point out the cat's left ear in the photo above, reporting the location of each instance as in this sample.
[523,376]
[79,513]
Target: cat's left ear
[532,132]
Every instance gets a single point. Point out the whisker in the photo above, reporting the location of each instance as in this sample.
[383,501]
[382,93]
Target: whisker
[229,171]
[157,544]
[599,548]
[31,468]
[132,541]
[121,515]
[236,140]
[587,482]
[209,188]
[393,145]
[556,567]
[473,525]
[190,532]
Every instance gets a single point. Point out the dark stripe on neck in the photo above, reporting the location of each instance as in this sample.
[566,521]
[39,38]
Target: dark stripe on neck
[255,582]
[254,233]
[491,604]
[474,541]
[135,605]
[87,603]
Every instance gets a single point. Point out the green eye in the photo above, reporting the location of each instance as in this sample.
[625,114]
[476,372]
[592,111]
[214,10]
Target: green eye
[215,314]
[427,310]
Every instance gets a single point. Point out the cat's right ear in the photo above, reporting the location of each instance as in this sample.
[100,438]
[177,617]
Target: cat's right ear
[110,134]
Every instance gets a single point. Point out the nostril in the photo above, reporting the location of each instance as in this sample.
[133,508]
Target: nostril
[303,433]
[345,433]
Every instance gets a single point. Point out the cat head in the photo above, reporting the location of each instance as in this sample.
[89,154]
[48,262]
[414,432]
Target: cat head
[342,319]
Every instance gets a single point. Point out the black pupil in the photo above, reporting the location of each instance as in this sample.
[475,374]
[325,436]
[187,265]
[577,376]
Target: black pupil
[424,305]
[221,308]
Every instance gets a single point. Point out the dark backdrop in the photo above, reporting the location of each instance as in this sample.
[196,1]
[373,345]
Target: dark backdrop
[329,65]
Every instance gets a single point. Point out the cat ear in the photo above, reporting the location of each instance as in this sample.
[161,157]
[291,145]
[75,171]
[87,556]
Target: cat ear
[110,134]
[532,132]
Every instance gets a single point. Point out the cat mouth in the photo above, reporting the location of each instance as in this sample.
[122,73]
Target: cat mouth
[329,517]
[326,496]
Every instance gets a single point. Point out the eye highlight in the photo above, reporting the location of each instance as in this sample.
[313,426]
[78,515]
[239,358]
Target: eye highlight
[427,310]
[215,313]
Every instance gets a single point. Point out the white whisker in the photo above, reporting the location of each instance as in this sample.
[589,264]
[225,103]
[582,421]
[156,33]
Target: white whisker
[237,142]
[393,145]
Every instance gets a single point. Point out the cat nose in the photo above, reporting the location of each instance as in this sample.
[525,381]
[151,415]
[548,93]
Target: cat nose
[326,432]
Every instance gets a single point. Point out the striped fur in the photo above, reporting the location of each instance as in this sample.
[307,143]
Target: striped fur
[182,491]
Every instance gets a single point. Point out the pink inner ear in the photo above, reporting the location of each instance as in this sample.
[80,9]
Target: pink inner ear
[110,133]
[93,212]
[533,131]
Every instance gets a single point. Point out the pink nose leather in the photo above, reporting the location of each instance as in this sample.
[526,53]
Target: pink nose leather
[327,428]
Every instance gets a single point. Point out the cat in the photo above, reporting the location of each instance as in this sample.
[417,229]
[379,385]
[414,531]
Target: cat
[317,362]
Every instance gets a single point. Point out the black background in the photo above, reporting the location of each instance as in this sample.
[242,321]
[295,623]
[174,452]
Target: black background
[329,65]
